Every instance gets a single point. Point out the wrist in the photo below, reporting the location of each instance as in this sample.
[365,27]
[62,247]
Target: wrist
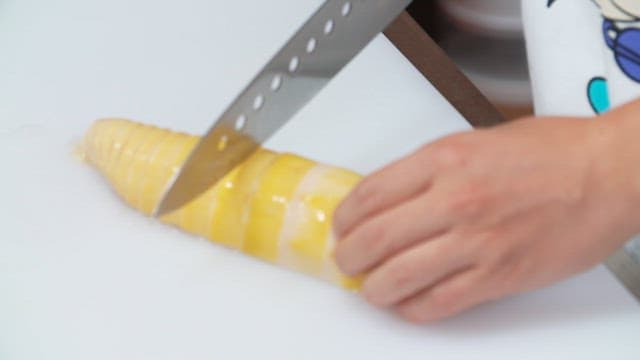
[615,145]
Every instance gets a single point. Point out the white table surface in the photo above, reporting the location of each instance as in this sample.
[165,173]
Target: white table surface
[84,277]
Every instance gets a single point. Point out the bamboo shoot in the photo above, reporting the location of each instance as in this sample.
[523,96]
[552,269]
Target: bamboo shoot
[276,207]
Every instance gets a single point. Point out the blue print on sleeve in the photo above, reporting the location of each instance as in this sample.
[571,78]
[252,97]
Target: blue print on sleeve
[598,95]
[625,45]
[623,38]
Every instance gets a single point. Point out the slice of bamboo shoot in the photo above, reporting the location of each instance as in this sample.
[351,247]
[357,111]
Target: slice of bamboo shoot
[277,207]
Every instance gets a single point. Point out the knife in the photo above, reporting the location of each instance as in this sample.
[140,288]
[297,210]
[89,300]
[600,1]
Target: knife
[328,41]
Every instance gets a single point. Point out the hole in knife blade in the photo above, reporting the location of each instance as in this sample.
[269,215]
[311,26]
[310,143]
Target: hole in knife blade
[276,83]
[346,9]
[258,102]
[311,45]
[328,27]
[241,122]
[294,63]
[222,143]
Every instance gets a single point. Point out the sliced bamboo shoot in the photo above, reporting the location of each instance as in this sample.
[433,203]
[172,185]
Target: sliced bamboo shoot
[277,207]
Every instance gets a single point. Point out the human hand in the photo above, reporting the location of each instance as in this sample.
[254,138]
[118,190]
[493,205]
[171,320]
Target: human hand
[485,214]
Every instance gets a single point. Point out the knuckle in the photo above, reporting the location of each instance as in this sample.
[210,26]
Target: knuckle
[414,315]
[376,237]
[364,199]
[371,245]
[402,274]
[510,273]
[427,311]
[469,201]
[483,243]
[363,248]
[496,258]
[347,260]
[340,222]
[460,204]
[367,194]
[374,295]
[502,266]
[451,153]
[444,302]
[342,258]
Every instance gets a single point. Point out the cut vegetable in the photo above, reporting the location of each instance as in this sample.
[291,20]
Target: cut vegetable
[277,207]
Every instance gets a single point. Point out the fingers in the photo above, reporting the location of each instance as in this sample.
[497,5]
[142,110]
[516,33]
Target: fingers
[450,297]
[381,237]
[413,270]
[383,189]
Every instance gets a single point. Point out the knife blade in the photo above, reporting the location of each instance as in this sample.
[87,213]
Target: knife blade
[328,41]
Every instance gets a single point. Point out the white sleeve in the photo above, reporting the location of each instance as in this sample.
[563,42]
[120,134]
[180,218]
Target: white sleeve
[584,56]
[565,52]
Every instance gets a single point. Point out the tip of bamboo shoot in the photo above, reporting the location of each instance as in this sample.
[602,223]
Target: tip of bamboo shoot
[79,152]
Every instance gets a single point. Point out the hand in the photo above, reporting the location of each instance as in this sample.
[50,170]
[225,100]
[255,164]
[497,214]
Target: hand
[484,214]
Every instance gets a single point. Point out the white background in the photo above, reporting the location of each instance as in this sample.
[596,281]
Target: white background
[84,277]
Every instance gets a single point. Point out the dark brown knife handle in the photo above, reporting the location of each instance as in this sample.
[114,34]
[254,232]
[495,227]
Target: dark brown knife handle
[414,43]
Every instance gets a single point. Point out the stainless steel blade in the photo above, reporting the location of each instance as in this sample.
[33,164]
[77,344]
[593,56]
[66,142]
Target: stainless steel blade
[627,269]
[328,41]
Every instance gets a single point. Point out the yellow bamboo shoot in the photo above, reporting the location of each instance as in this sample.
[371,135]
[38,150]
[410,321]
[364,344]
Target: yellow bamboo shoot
[276,207]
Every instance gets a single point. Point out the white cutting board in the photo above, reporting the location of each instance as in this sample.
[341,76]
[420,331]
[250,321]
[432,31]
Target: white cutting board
[84,277]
